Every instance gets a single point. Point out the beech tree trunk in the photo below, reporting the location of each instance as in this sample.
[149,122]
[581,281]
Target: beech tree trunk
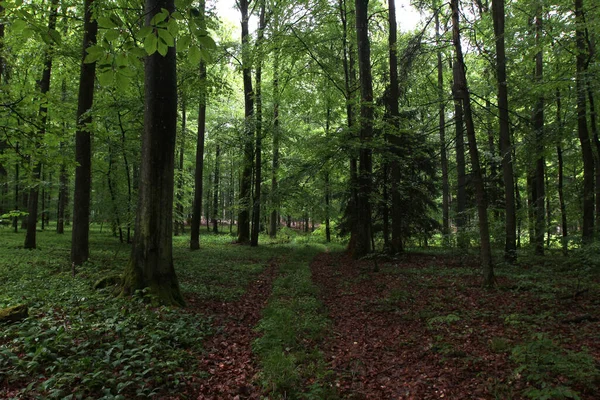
[442,123]
[151,263]
[540,163]
[44,85]
[510,238]
[80,246]
[215,217]
[275,166]
[197,205]
[461,175]
[582,126]
[462,91]
[258,165]
[362,245]
[246,183]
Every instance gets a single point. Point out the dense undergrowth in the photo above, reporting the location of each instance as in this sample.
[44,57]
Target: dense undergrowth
[84,343]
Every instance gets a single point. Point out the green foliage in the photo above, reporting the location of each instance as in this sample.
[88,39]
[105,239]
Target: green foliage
[542,363]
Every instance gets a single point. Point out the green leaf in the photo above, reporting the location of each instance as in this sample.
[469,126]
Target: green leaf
[194,55]
[183,42]
[166,37]
[150,44]
[112,34]
[145,31]
[173,27]
[159,17]
[122,81]
[106,77]
[162,49]
[207,42]
[19,25]
[106,22]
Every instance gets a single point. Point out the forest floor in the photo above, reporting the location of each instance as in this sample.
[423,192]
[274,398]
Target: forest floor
[300,320]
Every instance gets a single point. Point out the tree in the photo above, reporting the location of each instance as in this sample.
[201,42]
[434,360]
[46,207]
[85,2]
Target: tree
[151,262]
[44,87]
[463,95]
[244,206]
[362,245]
[83,151]
[510,239]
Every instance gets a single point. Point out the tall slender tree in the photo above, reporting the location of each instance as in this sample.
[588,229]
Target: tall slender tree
[44,86]
[582,125]
[199,170]
[510,222]
[538,126]
[462,91]
[362,245]
[80,247]
[246,183]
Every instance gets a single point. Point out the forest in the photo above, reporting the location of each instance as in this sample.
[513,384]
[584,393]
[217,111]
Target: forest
[315,202]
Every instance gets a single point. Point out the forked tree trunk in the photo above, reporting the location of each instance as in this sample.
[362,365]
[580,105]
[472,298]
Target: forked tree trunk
[151,263]
[462,91]
[80,247]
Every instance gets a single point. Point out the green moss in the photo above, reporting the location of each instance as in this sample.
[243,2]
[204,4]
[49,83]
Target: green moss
[14,313]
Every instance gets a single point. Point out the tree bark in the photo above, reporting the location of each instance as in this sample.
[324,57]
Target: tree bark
[462,91]
[582,125]
[197,205]
[510,236]
[151,263]
[258,152]
[80,246]
[362,245]
[44,85]
[442,123]
[215,219]
[461,179]
[540,163]
[275,166]
[179,218]
[246,183]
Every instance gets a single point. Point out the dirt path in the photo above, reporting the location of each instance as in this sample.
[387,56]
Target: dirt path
[425,336]
[228,360]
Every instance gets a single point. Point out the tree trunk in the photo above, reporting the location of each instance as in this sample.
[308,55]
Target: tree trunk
[246,183]
[151,263]
[510,242]
[538,126]
[258,165]
[461,179]
[80,247]
[44,85]
[215,221]
[127,175]
[276,132]
[394,113]
[582,126]
[442,123]
[362,245]
[462,91]
[197,205]
[179,218]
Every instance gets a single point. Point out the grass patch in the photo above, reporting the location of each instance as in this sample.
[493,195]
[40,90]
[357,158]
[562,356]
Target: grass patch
[293,324]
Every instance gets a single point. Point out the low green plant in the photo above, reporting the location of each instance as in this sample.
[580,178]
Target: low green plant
[543,363]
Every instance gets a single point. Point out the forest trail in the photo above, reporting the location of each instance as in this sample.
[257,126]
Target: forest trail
[422,327]
[227,358]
